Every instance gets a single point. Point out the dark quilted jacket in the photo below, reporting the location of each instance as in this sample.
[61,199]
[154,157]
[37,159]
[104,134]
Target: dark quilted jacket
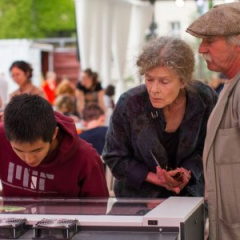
[132,134]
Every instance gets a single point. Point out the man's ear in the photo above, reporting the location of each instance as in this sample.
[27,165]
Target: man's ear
[237,47]
[55,133]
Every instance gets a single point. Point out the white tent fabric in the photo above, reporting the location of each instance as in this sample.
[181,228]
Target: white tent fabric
[83,21]
[106,57]
[121,26]
[140,20]
[107,31]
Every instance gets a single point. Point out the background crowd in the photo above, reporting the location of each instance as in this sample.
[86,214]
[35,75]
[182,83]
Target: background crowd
[67,98]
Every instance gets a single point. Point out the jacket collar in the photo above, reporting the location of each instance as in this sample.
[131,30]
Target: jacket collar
[195,104]
[217,116]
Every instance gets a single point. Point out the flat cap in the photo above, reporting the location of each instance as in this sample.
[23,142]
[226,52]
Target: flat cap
[221,20]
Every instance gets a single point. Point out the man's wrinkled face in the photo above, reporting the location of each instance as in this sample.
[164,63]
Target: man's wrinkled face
[218,53]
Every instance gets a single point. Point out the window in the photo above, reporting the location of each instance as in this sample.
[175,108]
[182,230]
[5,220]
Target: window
[175,28]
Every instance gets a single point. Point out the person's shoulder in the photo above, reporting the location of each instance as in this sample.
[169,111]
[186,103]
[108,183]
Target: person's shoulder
[14,93]
[101,129]
[135,92]
[236,89]
[199,84]
[93,131]
[237,79]
[204,90]
[83,154]
[86,149]
[133,100]
[37,91]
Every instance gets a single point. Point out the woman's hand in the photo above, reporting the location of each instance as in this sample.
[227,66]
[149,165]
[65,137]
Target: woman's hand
[168,179]
[162,178]
[182,175]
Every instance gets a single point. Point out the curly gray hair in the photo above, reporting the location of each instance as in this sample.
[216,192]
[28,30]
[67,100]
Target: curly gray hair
[170,52]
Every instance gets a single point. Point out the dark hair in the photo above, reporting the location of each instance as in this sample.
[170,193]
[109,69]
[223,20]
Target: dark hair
[92,111]
[28,118]
[93,75]
[24,66]
[110,90]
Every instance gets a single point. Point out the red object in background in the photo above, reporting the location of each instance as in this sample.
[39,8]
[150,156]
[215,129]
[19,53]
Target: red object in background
[49,90]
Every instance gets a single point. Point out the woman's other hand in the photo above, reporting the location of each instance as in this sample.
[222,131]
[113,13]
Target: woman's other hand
[164,179]
[169,180]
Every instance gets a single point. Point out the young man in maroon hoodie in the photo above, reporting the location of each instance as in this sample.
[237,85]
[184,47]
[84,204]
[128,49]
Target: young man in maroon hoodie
[41,154]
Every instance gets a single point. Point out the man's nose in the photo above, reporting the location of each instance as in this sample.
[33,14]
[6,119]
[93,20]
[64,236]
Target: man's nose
[202,47]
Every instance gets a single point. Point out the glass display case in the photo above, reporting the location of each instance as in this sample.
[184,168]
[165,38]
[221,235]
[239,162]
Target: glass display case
[178,218]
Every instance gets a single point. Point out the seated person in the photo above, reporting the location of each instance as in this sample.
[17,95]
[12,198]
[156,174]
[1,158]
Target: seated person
[89,90]
[165,120]
[65,105]
[94,130]
[42,156]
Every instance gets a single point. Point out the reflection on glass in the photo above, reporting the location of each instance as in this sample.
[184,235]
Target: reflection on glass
[111,206]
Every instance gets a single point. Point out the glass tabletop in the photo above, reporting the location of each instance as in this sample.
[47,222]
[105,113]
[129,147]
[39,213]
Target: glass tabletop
[80,206]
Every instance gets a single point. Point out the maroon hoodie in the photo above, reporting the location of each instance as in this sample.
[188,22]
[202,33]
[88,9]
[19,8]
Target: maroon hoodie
[73,169]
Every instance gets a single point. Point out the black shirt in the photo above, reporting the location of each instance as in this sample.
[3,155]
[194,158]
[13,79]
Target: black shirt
[171,140]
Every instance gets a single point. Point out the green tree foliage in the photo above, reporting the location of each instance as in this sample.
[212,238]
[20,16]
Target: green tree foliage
[36,18]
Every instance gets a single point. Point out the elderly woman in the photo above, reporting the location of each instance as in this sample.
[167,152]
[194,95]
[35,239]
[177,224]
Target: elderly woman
[156,135]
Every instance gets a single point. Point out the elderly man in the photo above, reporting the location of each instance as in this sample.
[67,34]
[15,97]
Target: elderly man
[219,30]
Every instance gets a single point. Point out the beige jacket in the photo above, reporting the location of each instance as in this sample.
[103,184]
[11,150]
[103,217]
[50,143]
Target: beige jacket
[222,165]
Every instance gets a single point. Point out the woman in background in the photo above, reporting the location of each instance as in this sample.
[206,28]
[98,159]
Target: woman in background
[21,72]
[89,90]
